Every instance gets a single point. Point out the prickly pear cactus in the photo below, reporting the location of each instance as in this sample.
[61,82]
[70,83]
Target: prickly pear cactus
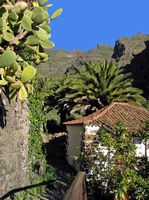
[24,35]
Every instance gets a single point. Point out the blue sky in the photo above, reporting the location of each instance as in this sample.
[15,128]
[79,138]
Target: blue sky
[85,23]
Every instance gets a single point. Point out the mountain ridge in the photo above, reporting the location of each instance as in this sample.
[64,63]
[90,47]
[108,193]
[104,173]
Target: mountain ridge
[132,53]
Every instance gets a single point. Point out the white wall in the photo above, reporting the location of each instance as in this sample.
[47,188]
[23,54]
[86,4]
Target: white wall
[91,129]
[140,147]
[75,134]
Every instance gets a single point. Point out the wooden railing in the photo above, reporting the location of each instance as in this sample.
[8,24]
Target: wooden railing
[77,190]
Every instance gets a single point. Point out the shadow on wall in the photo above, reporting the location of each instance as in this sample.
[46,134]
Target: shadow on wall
[137,64]
[2,114]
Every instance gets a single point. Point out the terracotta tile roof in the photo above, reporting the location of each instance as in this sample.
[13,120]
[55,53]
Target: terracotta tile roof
[132,116]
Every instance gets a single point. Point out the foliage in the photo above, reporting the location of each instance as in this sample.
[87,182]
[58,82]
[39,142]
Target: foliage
[36,153]
[101,84]
[55,97]
[39,170]
[24,34]
[89,89]
[114,166]
[144,131]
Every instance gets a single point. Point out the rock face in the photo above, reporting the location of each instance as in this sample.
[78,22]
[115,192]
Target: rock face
[14,129]
[133,54]
[60,60]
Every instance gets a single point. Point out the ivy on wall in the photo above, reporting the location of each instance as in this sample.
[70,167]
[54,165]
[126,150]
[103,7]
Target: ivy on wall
[39,170]
[38,164]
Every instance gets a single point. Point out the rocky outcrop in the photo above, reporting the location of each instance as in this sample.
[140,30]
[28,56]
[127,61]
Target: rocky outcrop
[133,54]
[14,129]
[60,60]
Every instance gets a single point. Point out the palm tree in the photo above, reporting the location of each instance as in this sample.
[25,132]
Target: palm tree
[101,84]
[89,89]
[55,91]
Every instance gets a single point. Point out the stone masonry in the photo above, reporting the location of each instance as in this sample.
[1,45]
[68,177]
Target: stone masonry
[14,129]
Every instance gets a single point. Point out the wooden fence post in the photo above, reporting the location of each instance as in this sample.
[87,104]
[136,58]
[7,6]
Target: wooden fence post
[77,190]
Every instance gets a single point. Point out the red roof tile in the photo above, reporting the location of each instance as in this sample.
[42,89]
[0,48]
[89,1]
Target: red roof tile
[132,116]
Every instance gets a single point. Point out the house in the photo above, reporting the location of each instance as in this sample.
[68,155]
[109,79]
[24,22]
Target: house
[81,132]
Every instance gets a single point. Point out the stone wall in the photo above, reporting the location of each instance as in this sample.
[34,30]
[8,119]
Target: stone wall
[14,129]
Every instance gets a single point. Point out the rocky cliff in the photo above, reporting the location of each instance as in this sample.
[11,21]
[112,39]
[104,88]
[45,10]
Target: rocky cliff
[60,60]
[133,54]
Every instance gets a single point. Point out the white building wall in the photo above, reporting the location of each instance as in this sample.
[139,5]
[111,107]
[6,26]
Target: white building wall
[90,134]
[92,130]
[140,148]
[75,134]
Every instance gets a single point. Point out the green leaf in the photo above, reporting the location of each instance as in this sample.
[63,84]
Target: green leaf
[42,2]
[27,22]
[12,94]
[0,39]
[16,85]
[15,66]
[3,81]
[1,22]
[43,55]
[32,40]
[47,45]
[28,12]
[35,4]
[29,88]
[7,58]
[47,28]
[49,5]
[42,34]
[8,36]
[13,16]
[25,64]
[28,73]
[56,13]
[10,79]
[22,94]
[39,15]
[45,59]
